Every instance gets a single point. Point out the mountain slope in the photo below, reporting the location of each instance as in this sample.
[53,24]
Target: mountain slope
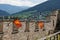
[12,9]
[46,6]
[3,13]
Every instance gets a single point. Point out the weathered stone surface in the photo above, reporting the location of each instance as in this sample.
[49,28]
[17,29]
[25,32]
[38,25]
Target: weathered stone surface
[31,35]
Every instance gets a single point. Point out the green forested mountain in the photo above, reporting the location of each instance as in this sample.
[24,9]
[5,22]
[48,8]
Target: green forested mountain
[43,9]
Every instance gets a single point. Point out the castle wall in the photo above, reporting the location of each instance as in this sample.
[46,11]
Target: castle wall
[31,35]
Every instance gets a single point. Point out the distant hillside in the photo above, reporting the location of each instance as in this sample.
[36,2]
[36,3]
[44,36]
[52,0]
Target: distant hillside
[12,9]
[44,8]
[4,13]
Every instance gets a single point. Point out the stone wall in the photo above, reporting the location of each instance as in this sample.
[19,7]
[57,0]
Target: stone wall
[31,35]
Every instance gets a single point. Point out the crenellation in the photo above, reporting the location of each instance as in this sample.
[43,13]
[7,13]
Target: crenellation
[31,27]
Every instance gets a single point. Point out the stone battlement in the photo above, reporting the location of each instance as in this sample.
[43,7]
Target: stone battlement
[34,31]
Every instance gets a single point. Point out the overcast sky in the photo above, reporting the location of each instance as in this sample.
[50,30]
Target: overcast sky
[29,3]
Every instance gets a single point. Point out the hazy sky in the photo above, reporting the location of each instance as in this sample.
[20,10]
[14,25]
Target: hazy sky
[22,2]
